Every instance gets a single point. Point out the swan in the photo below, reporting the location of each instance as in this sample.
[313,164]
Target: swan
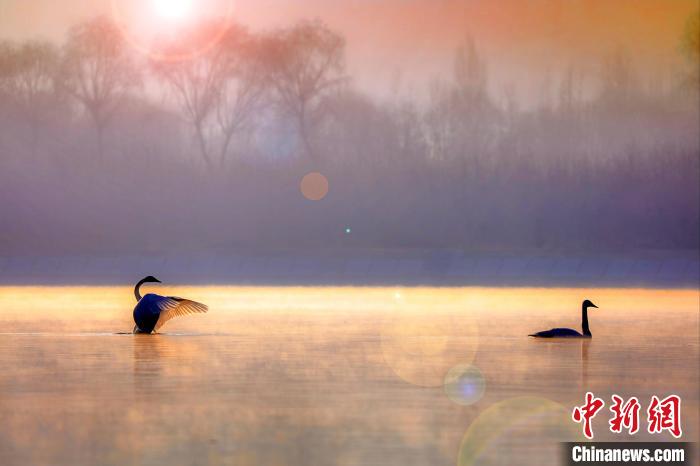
[153,310]
[569,332]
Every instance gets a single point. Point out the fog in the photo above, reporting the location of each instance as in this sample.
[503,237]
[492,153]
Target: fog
[199,143]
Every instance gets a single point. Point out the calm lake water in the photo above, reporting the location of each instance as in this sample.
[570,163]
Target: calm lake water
[331,376]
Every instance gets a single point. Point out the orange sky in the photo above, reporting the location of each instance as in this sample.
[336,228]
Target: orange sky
[525,40]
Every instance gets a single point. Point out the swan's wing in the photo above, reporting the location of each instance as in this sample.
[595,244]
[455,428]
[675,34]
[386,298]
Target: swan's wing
[172,307]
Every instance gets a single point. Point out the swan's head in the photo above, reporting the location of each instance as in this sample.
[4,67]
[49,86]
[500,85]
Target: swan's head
[587,304]
[151,279]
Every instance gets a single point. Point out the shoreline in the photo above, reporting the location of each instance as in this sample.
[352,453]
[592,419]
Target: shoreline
[363,268]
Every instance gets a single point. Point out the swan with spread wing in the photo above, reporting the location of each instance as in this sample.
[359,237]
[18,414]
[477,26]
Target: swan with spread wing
[152,310]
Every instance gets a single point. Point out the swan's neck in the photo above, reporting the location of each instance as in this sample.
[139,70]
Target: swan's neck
[584,321]
[137,293]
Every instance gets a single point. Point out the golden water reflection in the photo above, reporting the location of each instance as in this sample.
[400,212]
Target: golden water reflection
[343,376]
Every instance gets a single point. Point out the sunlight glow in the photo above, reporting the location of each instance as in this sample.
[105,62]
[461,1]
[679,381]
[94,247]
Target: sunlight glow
[172,10]
[148,26]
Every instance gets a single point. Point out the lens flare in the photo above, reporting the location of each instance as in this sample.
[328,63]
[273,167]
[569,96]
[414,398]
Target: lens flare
[464,384]
[516,428]
[314,186]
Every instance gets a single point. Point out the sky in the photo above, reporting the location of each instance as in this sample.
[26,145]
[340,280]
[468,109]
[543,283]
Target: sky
[400,46]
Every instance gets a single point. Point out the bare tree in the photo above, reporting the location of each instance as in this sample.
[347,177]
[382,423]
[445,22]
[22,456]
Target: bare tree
[98,71]
[470,75]
[217,86]
[305,63]
[690,46]
[461,118]
[618,80]
[243,88]
[28,79]
[568,92]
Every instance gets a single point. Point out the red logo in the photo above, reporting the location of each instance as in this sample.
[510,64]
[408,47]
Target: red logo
[625,415]
[661,414]
[587,412]
[665,415]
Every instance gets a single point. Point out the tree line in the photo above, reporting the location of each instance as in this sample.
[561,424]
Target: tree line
[231,112]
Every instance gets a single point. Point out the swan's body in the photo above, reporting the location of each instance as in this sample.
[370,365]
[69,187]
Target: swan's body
[569,332]
[152,310]
[558,332]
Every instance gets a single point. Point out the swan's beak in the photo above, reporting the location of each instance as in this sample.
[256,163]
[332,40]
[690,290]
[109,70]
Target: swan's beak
[593,305]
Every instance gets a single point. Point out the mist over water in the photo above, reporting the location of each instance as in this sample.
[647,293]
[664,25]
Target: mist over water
[301,376]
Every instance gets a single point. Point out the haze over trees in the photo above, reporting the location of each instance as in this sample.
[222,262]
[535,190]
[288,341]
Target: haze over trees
[202,144]
[217,87]
[304,64]
[98,71]
[28,79]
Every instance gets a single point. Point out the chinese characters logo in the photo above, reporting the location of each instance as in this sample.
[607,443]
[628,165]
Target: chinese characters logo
[662,415]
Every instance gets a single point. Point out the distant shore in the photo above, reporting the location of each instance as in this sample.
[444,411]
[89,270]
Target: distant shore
[653,269]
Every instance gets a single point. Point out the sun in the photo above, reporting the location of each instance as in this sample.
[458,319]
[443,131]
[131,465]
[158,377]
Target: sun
[172,10]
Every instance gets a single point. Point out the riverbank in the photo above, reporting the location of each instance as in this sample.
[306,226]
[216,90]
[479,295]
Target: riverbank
[365,267]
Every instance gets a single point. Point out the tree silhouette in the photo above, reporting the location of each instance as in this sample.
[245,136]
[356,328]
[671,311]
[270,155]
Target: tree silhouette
[618,79]
[98,70]
[690,46]
[28,79]
[460,119]
[218,86]
[304,63]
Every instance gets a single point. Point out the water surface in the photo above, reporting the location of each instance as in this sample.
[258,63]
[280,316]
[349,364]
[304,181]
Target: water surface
[346,376]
